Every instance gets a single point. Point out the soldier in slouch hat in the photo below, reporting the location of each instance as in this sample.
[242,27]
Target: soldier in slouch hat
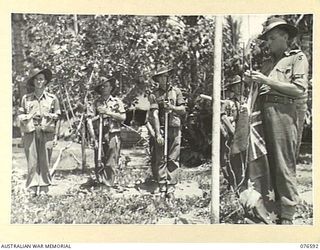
[111,110]
[38,116]
[283,81]
[166,98]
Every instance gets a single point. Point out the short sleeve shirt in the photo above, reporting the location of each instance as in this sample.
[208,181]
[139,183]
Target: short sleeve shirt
[231,108]
[115,105]
[47,103]
[175,97]
[291,68]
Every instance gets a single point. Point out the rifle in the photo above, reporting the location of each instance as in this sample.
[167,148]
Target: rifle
[241,135]
[100,140]
[166,127]
[65,108]
[83,132]
[55,165]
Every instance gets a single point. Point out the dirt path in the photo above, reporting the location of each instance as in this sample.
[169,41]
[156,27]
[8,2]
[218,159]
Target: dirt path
[70,179]
[69,173]
[193,189]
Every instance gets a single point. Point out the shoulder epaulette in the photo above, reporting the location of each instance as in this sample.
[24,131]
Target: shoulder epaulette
[292,52]
[51,95]
[28,95]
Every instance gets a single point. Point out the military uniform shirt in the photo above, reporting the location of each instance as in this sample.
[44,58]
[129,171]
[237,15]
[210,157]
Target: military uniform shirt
[114,104]
[175,98]
[292,68]
[47,103]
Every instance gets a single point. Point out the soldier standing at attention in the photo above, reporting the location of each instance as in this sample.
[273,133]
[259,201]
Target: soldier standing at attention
[236,98]
[283,97]
[38,116]
[111,110]
[166,98]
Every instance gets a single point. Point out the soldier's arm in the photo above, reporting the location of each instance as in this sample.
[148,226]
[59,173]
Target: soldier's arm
[23,113]
[119,114]
[154,119]
[156,122]
[150,129]
[286,88]
[298,84]
[179,108]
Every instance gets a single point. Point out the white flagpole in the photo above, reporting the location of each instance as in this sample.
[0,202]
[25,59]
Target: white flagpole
[215,170]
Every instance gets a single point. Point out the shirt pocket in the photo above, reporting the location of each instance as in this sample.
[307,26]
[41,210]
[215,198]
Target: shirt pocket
[46,106]
[284,73]
[32,107]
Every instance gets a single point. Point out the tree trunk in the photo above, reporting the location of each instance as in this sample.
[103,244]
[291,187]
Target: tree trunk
[18,55]
[194,68]
[75,23]
[83,147]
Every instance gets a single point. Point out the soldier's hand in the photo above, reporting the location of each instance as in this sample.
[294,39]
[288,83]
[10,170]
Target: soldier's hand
[29,116]
[108,112]
[24,117]
[102,110]
[159,139]
[259,77]
[264,88]
[55,141]
[168,106]
[96,144]
[36,117]
[51,115]
[247,76]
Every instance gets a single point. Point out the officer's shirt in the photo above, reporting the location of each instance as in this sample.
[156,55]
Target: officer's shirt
[291,68]
[47,103]
[175,97]
[114,104]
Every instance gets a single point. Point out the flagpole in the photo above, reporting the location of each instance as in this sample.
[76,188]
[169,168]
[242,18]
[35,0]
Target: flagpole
[215,169]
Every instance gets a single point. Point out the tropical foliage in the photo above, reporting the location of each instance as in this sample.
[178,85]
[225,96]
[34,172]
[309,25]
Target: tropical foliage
[129,48]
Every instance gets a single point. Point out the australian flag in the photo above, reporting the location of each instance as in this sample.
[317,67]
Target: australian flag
[249,163]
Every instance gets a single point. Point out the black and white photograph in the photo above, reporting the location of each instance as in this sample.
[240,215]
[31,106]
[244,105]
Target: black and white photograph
[111,119]
[162,119]
[266,121]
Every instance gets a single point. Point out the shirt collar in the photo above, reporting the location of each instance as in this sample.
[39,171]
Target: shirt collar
[43,95]
[290,52]
[163,91]
[106,100]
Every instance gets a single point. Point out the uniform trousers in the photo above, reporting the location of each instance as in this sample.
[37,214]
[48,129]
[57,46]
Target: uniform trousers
[283,125]
[106,171]
[166,172]
[38,150]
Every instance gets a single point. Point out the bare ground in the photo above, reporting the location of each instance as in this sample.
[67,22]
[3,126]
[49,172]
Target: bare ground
[71,180]
[192,193]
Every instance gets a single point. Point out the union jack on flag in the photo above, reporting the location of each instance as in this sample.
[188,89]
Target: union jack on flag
[257,145]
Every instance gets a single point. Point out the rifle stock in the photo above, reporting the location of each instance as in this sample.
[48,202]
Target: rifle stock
[100,140]
[166,123]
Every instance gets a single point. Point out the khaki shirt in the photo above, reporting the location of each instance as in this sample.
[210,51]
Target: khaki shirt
[32,106]
[175,98]
[291,68]
[114,104]
[232,107]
